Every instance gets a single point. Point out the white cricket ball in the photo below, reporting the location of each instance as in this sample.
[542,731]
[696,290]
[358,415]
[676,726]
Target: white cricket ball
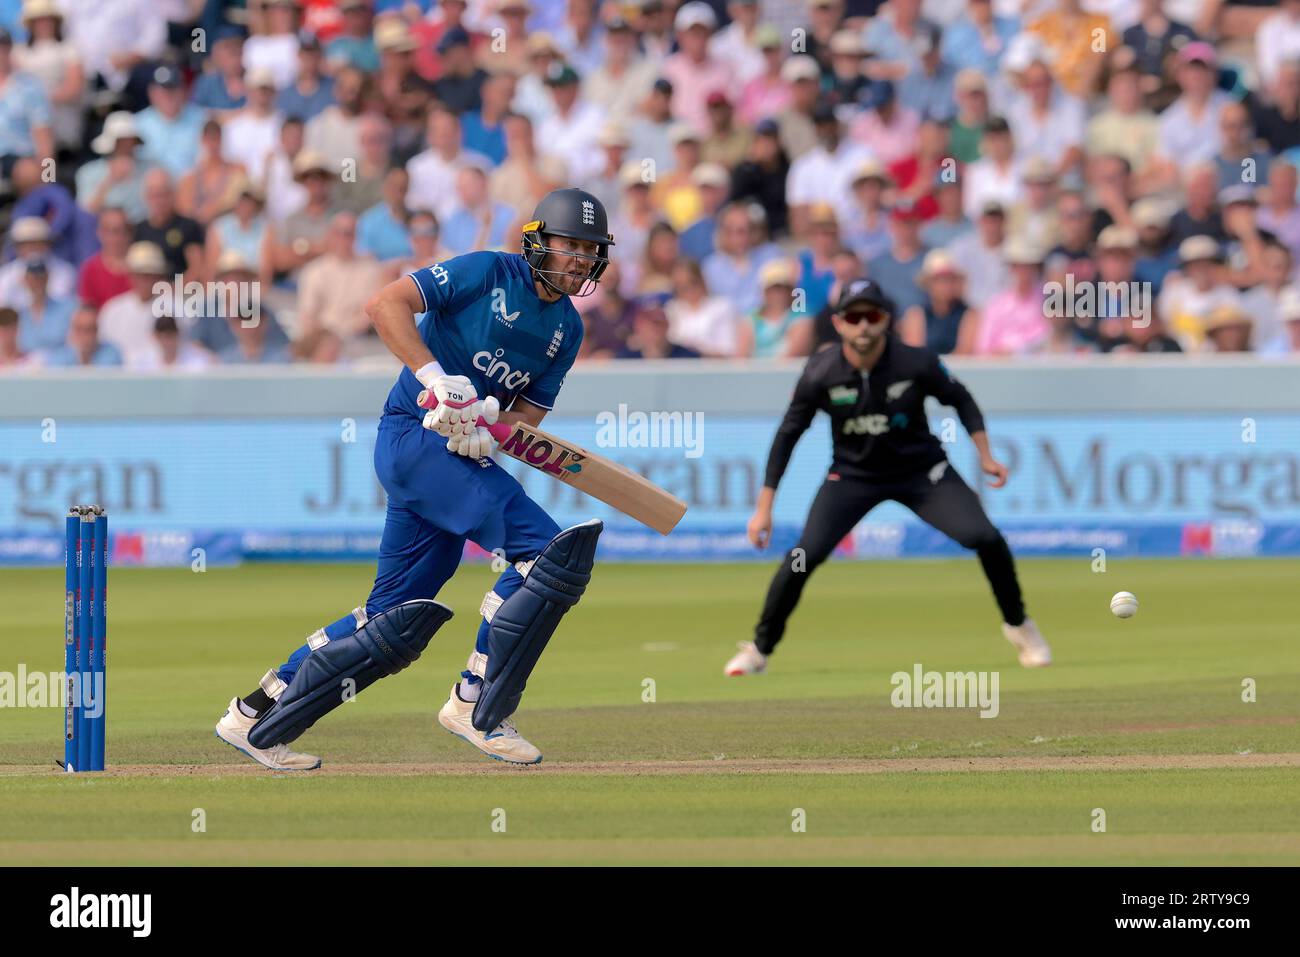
[1124,604]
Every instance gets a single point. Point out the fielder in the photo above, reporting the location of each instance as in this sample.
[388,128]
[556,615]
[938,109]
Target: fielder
[873,387]
[498,332]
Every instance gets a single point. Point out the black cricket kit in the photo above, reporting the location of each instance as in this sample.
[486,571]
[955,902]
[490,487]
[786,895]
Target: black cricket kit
[882,450]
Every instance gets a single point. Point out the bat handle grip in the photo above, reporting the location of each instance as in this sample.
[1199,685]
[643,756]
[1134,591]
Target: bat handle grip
[500,430]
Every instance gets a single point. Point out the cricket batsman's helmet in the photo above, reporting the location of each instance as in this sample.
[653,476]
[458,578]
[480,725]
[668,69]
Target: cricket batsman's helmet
[864,292]
[575,214]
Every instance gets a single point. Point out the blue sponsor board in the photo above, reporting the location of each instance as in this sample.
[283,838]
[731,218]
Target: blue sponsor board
[279,489]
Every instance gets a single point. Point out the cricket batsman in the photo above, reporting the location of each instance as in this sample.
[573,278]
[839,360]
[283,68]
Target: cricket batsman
[498,332]
[873,388]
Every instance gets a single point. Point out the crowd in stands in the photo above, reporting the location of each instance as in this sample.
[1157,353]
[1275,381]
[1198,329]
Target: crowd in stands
[1023,177]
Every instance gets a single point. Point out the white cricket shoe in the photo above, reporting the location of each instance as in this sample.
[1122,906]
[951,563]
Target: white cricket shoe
[1028,640]
[503,743]
[747,661]
[233,729]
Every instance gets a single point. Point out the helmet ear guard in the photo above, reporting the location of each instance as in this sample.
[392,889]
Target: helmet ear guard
[535,250]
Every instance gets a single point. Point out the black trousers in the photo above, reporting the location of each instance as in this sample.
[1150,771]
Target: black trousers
[947,503]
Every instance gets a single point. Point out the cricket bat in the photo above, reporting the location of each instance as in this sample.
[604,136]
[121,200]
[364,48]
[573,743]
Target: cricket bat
[617,486]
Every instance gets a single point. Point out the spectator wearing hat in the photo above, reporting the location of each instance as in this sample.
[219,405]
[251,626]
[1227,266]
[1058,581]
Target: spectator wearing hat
[1277,39]
[978,37]
[581,37]
[180,238]
[205,190]
[727,142]
[117,177]
[692,70]
[997,174]
[170,127]
[355,45]
[1046,121]
[382,229]
[816,275]
[1279,213]
[847,79]
[1034,217]
[483,129]
[84,346]
[72,229]
[461,84]
[802,76]
[824,174]
[895,270]
[1199,214]
[943,322]
[1071,36]
[397,50]
[978,254]
[775,330]
[892,37]
[336,130]
[217,331]
[301,237]
[43,320]
[1125,127]
[650,333]
[1117,250]
[532,94]
[250,134]
[736,43]
[606,185]
[169,350]
[525,176]
[104,275]
[32,242]
[572,128]
[865,223]
[698,320]
[950,222]
[1194,291]
[477,221]
[513,52]
[1275,109]
[1156,255]
[767,93]
[635,214]
[311,90]
[888,129]
[740,252]
[365,185]
[55,62]
[1228,328]
[1013,322]
[761,177]
[971,94]
[675,192]
[1263,301]
[11,356]
[929,90]
[241,229]
[334,287]
[273,45]
[433,172]
[220,88]
[651,271]
[1189,127]
[622,78]
[126,321]
[713,185]
[1238,161]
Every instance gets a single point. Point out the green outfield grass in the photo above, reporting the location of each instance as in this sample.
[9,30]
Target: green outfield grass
[711,769]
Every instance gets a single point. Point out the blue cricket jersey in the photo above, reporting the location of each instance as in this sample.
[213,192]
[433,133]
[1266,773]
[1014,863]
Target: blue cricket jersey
[484,320]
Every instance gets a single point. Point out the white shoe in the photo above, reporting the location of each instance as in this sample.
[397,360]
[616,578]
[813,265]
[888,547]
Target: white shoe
[747,661]
[233,729]
[1028,640]
[503,743]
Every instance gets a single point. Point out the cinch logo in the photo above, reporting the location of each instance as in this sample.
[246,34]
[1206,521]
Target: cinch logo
[134,911]
[494,367]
